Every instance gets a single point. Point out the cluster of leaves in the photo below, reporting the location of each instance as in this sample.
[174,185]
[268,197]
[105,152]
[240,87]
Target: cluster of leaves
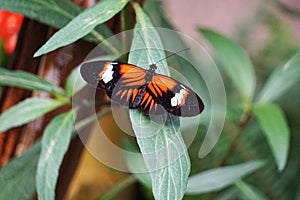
[172,181]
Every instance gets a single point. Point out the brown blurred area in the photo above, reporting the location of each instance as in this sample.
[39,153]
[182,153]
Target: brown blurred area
[81,175]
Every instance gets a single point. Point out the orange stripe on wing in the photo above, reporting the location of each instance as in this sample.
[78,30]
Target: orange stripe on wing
[152,89]
[131,70]
[149,99]
[123,94]
[157,89]
[119,92]
[135,92]
[167,81]
[132,76]
[129,93]
[127,80]
[164,83]
[136,83]
[124,68]
[159,84]
[152,103]
[145,97]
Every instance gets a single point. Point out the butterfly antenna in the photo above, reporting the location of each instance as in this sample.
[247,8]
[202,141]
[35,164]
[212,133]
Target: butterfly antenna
[149,55]
[172,54]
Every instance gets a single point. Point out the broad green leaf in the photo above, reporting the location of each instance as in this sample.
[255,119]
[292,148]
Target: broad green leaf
[235,63]
[29,81]
[164,154]
[55,142]
[273,123]
[160,142]
[136,164]
[281,80]
[54,13]
[219,178]
[248,192]
[58,13]
[83,24]
[139,52]
[17,178]
[26,111]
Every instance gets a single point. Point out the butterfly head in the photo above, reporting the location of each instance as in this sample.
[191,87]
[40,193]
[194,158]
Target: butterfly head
[153,67]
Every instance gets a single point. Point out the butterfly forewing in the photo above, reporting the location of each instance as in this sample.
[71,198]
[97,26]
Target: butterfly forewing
[127,87]
[113,77]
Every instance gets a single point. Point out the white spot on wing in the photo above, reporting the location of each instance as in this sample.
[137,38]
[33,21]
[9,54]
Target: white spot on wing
[108,74]
[177,99]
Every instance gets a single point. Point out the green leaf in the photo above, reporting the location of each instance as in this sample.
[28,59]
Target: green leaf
[160,142]
[74,82]
[283,77]
[28,81]
[219,178]
[235,63]
[54,13]
[26,111]
[139,53]
[59,13]
[136,164]
[83,24]
[275,128]
[248,192]
[55,142]
[17,178]
[165,154]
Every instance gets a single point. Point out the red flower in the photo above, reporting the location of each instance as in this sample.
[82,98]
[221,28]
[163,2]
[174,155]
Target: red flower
[10,24]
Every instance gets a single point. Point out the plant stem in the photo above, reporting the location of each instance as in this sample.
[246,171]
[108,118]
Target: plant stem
[86,121]
[241,127]
[118,187]
[104,42]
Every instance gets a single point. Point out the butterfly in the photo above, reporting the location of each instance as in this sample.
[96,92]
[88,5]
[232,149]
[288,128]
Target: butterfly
[146,90]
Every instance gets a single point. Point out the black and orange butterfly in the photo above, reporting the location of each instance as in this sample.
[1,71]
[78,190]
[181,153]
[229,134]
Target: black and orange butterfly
[145,90]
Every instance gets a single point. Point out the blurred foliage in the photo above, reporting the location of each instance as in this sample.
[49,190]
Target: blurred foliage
[242,139]
[278,45]
[281,44]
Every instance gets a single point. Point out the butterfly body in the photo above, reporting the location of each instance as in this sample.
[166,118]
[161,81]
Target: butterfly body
[145,90]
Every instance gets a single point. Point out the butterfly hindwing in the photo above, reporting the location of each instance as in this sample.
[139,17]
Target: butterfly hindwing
[173,96]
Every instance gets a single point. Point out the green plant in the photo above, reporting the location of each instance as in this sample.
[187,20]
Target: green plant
[38,167]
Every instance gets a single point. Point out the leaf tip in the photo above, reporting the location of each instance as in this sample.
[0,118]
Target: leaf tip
[37,54]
